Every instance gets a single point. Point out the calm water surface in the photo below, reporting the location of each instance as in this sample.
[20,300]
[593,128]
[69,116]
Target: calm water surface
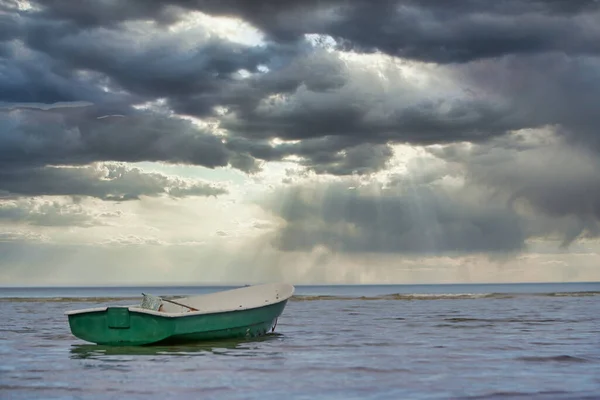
[345,342]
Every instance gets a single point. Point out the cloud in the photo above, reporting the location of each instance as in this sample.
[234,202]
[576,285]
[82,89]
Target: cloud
[348,128]
[74,136]
[557,182]
[493,198]
[363,159]
[11,237]
[30,76]
[329,155]
[45,213]
[9,26]
[133,240]
[443,32]
[436,31]
[149,61]
[327,89]
[42,106]
[408,220]
[334,112]
[106,13]
[289,91]
[545,90]
[104,181]
[179,265]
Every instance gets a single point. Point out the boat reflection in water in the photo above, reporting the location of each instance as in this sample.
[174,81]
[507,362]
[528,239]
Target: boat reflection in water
[228,347]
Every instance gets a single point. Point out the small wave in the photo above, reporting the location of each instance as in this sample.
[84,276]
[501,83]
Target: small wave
[63,299]
[442,296]
[562,358]
[396,296]
[406,296]
[504,320]
[463,319]
[322,297]
[573,294]
[542,395]
[299,297]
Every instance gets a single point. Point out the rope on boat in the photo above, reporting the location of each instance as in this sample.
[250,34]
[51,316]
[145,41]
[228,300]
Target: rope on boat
[273,329]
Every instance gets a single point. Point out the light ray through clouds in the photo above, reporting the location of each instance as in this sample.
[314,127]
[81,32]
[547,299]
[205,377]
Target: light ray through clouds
[315,142]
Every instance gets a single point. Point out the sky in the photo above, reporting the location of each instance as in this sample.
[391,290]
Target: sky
[312,142]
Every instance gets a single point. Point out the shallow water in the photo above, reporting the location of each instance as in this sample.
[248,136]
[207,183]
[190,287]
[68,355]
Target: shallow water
[349,342]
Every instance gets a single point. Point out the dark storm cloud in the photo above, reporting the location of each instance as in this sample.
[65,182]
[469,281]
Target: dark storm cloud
[106,182]
[93,67]
[151,63]
[289,68]
[370,107]
[438,31]
[489,197]
[495,97]
[245,162]
[309,115]
[449,32]
[9,27]
[493,67]
[29,76]
[34,139]
[90,14]
[544,90]
[343,118]
[557,183]
[332,155]
[417,221]
[78,136]
[362,159]
[121,66]
[193,69]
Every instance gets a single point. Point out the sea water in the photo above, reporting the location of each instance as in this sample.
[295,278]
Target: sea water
[515,341]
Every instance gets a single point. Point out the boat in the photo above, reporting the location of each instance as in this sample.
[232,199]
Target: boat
[244,312]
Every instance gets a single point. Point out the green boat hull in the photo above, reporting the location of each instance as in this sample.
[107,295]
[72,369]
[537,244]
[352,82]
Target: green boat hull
[122,326]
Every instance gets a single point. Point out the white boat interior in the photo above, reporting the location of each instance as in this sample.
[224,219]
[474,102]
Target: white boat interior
[234,299]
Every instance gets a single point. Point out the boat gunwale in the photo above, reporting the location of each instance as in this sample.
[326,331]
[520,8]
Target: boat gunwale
[138,309]
[171,315]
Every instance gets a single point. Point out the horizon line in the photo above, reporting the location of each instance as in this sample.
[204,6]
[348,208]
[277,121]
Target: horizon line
[139,285]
